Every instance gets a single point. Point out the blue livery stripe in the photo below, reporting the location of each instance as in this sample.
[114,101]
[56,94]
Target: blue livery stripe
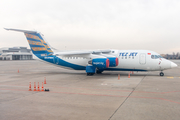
[37,46]
[33,39]
[123,69]
[58,61]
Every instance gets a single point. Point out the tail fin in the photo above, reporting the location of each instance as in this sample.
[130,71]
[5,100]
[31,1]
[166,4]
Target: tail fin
[36,42]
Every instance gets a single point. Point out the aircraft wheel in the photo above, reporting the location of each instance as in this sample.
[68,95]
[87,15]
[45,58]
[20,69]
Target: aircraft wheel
[90,74]
[161,74]
[99,72]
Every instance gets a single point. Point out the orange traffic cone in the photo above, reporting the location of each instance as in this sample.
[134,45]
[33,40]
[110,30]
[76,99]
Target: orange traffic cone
[45,80]
[34,86]
[132,72]
[38,87]
[18,70]
[129,75]
[30,86]
[42,87]
[118,76]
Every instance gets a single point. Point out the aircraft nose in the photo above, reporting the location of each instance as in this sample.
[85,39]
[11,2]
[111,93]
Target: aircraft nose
[173,65]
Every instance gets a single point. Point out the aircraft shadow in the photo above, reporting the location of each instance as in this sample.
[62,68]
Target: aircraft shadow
[103,74]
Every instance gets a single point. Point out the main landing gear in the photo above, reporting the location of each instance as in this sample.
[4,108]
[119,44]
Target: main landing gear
[99,71]
[161,74]
[90,74]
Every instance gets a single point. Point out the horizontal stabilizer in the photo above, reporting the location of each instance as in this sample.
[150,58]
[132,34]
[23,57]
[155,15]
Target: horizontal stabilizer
[18,30]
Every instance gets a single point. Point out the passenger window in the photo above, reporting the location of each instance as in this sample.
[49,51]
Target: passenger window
[133,57]
[112,51]
[125,57]
[122,57]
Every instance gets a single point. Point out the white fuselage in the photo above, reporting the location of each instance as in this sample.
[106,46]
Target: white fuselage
[136,60]
[96,61]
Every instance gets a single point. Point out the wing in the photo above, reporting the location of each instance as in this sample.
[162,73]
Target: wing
[75,53]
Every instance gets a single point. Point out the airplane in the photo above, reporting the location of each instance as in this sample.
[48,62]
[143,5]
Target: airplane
[96,61]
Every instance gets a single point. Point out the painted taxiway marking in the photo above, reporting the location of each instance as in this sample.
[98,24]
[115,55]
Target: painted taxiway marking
[171,77]
[106,95]
[91,89]
[104,84]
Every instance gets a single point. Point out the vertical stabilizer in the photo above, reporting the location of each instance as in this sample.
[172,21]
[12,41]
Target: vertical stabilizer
[36,42]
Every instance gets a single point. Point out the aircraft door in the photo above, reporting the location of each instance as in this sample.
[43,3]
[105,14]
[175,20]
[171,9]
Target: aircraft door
[56,61]
[142,58]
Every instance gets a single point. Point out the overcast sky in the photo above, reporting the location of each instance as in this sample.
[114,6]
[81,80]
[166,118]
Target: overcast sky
[94,24]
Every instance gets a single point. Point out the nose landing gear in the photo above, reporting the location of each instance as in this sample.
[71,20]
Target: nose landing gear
[161,74]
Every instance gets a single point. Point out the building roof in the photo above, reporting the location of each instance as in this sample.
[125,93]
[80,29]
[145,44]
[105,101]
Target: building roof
[14,49]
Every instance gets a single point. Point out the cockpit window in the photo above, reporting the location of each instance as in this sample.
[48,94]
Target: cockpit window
[156,56]
[160,56]
[152,56]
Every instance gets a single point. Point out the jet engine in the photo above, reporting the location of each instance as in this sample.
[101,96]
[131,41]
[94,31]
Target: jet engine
[101,63]
[113,61]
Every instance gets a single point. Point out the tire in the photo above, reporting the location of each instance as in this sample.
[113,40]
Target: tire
[99,72]
[161,74]
[90,74]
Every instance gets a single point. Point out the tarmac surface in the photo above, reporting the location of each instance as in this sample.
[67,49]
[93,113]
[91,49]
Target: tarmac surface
[73,95]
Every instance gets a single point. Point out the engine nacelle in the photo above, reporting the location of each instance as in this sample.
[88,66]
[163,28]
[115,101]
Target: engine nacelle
[113,61]
[101,63]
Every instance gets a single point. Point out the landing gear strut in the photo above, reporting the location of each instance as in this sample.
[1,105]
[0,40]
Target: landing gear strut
[161,74]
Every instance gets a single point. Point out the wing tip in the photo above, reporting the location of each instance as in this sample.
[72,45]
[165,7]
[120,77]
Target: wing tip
[6,28]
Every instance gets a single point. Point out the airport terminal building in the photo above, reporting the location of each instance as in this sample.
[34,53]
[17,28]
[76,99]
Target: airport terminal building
[15,53]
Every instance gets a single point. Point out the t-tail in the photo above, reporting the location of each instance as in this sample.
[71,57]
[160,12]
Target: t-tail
[36,42]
